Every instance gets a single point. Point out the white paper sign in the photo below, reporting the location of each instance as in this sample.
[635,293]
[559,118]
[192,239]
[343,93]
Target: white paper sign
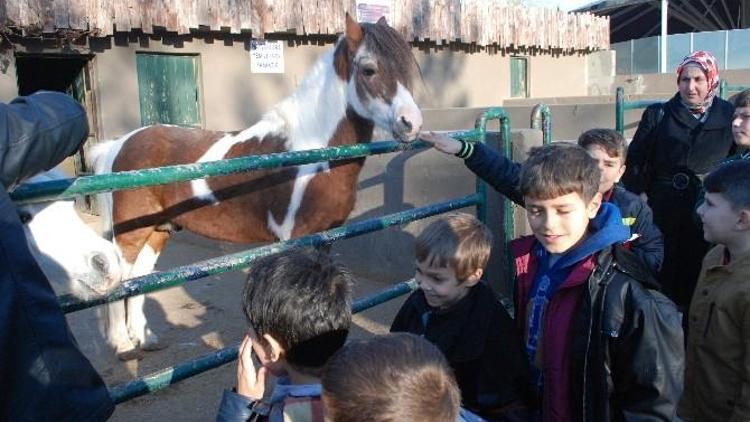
[266,56]
[372,10]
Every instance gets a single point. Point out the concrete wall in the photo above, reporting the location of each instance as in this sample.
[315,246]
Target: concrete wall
[8,85]
[663,84]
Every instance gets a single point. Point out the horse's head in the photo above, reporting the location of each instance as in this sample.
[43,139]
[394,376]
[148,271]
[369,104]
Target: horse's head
[75,259]
[379,66]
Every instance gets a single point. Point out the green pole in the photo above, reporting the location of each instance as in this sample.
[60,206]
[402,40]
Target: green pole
[620,110]
[541,118]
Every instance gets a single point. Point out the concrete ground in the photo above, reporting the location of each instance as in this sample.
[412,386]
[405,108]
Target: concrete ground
[200,317]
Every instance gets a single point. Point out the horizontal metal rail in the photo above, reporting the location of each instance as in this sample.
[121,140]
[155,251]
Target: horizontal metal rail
[168,376]
[162,280]
[87,185]
[725,88]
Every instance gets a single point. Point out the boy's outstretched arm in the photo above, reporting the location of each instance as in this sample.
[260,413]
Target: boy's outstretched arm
[741,410]
[500,172]
[648,358]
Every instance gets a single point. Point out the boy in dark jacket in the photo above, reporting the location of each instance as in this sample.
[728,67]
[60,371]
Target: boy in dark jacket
[601,345]
[459,314]
[44,376]
[607,147]
[298,305]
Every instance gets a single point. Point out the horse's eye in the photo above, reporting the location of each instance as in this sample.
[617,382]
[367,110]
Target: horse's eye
[25,217]
[368,71]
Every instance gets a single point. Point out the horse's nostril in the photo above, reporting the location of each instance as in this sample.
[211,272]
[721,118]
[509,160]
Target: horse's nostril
[99,263]
[406,123]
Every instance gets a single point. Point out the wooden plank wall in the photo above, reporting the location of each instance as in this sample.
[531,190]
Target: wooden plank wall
[489,23]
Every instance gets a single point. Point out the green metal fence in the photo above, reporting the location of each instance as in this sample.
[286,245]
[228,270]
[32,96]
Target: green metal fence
[541,118]
[725,88]
[156,281]
[621,105]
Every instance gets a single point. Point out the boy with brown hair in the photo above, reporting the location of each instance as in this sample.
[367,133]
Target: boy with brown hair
[717,374]
[392,377]
[461,315]
[607,146]
[298,306]
[602,346]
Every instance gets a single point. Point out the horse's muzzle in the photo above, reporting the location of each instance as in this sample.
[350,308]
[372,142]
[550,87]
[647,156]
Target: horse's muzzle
[408,124]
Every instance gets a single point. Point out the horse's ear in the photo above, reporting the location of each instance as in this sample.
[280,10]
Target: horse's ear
[354,33]
[382,21]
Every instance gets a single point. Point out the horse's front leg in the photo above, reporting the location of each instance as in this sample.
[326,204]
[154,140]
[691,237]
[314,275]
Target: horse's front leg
[140,332]
[115,330]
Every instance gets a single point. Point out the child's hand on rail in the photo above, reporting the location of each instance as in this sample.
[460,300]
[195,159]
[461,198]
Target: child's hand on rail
[441,142]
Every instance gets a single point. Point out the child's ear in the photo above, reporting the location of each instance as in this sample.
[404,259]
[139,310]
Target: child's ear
[744,221]
[620,173]
[474,277]
[275,351]
[593,207]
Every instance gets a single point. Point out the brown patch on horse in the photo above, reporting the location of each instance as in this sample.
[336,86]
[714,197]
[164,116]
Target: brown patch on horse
[339,184]
[241,194]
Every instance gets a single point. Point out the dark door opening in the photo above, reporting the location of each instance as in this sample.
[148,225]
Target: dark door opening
[70,74]
[52,73]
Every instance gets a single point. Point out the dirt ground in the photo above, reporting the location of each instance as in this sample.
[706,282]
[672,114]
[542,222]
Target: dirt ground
[192,320]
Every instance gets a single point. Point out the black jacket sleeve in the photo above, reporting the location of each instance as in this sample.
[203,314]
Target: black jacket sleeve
[638,150]
[37,132]
[47,377]
[500,172]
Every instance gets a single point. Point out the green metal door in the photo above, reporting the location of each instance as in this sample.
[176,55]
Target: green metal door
[519,87]
[168,89]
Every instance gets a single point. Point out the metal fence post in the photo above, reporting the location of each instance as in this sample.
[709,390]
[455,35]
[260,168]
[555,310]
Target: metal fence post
[541,118]
[620,110]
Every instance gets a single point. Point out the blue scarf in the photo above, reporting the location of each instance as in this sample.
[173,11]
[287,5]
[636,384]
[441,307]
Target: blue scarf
[605,229]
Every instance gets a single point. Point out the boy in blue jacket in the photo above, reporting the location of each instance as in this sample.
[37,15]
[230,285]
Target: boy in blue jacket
[606,146]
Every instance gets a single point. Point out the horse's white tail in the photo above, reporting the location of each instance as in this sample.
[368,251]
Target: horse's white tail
[102,156]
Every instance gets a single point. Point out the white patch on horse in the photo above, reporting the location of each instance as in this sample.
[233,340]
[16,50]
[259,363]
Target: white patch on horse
[306,173]
[306,130]
[103,156]
[138,328]
[86,267]
[270,124]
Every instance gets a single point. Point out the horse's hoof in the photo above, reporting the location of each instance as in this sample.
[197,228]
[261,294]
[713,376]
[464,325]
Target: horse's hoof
[130,354]
[153,344]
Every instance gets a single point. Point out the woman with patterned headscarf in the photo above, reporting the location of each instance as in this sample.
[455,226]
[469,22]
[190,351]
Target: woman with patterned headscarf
[676,143]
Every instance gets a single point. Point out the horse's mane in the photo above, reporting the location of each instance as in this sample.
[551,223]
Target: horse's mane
[385,41]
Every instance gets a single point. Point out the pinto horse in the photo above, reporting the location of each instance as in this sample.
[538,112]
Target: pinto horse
[75,259]
[363,82]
